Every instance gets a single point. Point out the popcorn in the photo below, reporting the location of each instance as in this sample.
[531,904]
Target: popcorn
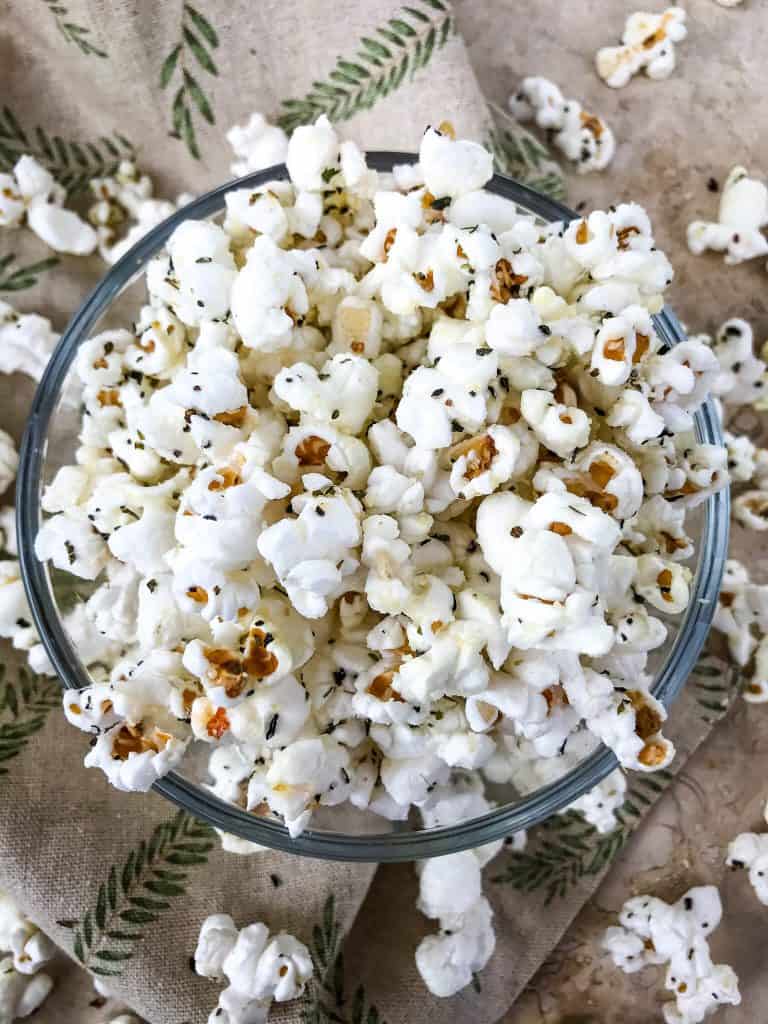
[126,195]
[583,137]
[26,342]
[216,941]
[9,461]
[19,996]
[31,192]
[450,890]
[450,167]
[384,484]
[654,932]
[600,804]
[750,850]
[742,214]
[259,970]
[648,45]
[256,144]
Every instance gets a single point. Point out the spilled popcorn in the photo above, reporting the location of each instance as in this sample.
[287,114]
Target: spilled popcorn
[648,44]
[386,480]
[24,949]
[738,230]
[450,891]
[582,136]
[654,932]
[750,850]
[30,195]
[259,969]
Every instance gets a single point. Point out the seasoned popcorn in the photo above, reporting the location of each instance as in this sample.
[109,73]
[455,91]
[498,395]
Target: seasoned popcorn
[648,45]
[26,342]
[385,482]
[125,196]
[22,988]
[259,969]
[30,195]
[742,215]
[582,136]
[750,850]
[654,932]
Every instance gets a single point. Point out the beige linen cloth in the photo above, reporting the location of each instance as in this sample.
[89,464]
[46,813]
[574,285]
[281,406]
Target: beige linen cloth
[123,882]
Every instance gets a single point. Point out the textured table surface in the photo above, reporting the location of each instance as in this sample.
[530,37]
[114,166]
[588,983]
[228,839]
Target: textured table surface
[672,137]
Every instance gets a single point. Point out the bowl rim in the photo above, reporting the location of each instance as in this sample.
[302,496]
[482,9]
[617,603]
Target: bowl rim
[394,845]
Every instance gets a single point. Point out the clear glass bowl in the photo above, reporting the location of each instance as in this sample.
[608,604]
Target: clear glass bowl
[49,442]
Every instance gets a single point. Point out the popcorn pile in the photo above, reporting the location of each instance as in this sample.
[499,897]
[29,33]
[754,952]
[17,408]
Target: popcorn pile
[583,137]
[259,970]
[24,949]
[648,44]
[385,480]
[655,932]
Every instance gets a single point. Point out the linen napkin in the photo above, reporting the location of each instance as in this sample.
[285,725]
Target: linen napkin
[122,882]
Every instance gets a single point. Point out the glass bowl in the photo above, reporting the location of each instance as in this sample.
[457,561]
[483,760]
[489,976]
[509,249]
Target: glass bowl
[49,442]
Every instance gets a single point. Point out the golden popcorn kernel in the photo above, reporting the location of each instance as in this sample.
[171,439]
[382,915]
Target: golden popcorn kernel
[582,233]
[312,450]
[235,418]
[563,529]
[259,661]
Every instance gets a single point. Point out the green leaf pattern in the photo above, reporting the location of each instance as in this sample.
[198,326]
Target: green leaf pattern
[135,895]
[76,34]
[15,279]
[325,1000]
[396,49]
[566,848]
[198,39]
[25,704]
[520,155]
[72,164]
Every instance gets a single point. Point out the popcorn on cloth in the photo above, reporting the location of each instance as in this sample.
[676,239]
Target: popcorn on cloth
[742,215]
[648,45]
[259,969]
[583,137]
[654,932]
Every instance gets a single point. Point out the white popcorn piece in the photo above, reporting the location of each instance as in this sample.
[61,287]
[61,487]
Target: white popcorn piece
[742,215]
[600,804]
[648,45]
[654,932]
[750,850]
[9,460]
[32,192]
[26,342]
[453,167]
[256,144]
[20,995]
[216,941]
[259,970]
[582,136]
[31,949]
[119,199]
